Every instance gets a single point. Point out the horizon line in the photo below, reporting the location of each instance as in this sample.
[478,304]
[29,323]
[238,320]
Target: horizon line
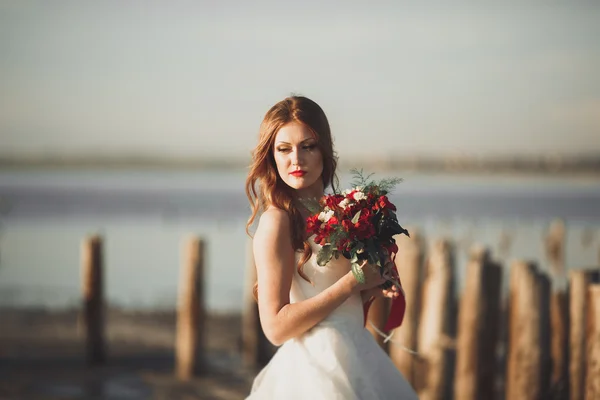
[448,163]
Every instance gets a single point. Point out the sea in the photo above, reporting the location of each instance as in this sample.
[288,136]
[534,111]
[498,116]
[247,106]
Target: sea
[145,217]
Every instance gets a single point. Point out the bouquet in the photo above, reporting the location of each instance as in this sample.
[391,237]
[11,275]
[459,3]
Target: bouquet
[359,224]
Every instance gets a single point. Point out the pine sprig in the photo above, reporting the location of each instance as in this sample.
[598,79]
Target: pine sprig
[385,185]
[360,179]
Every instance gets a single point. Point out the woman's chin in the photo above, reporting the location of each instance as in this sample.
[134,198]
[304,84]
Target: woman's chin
[307,185]
[299,183]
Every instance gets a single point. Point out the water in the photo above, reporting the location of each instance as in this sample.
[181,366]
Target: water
[145,217]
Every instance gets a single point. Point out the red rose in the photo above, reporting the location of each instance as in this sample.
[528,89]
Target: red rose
[313,224]
[347,225]
[332,221]
[366,230]
[321,239]
[383,203]
[365,214]
[349,211]
[332,201]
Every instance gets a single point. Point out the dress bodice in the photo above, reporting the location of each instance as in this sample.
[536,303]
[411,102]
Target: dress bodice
[320,279]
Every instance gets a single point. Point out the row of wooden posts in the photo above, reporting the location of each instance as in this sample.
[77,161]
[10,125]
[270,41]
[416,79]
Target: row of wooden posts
[191,312]
[540,339]
[535,343]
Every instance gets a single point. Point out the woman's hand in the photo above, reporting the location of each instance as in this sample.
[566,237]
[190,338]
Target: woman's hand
[372,277]
[390,293]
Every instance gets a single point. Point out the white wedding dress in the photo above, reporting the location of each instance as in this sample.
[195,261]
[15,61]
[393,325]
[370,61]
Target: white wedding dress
[336,359]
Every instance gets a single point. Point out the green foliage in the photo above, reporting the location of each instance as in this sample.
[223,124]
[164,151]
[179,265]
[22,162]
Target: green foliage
[312,205]
[337,235]
[359,275]
[384,186]
[354,219]
[325,254]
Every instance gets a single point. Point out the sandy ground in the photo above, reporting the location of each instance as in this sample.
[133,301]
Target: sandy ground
[42,357]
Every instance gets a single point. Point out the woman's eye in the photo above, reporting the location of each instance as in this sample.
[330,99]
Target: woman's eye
[283,149]
[310,147]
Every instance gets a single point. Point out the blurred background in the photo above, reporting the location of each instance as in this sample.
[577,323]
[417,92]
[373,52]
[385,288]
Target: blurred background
[135,121]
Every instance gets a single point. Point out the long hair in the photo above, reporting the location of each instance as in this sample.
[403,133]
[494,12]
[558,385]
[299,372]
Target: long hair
[264,186]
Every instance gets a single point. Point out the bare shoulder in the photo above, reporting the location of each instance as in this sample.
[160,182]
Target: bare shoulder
[272,235]
[273,222]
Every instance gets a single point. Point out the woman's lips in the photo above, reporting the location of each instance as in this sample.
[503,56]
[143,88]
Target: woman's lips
[298,173]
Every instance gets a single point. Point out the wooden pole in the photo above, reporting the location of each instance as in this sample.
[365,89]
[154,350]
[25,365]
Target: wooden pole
[579,281]
[250,318]
[544,286]
[559,320]
[435,342]
[409,262]
[555,249]
[554,244]
[528,372]
[190,311]
[256,349]
[93,299]
[592,380]
[478,323]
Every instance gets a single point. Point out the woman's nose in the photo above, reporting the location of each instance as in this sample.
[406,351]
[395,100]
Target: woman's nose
[296,157]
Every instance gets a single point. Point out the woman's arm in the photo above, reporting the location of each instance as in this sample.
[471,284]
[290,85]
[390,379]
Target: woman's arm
[276,265]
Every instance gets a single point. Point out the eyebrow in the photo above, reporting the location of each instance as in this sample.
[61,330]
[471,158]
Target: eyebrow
[305,140]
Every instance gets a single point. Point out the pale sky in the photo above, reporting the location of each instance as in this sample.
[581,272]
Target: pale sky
[196,78]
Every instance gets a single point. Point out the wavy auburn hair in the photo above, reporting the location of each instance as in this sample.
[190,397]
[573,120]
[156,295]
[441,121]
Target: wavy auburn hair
[264,186]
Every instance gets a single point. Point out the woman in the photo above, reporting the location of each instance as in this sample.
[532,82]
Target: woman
[315,313]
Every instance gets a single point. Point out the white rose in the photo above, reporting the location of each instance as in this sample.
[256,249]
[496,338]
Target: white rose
[324,216]
[358,196]
[344,203]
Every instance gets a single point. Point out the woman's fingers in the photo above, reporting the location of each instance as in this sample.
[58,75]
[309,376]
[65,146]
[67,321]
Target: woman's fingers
[372,275]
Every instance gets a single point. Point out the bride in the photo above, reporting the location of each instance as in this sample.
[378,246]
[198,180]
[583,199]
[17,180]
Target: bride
[314,313]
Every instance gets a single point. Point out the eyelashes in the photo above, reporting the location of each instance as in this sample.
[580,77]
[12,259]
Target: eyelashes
[308,147]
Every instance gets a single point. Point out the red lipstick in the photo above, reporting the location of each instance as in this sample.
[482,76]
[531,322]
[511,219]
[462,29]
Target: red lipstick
[298,173]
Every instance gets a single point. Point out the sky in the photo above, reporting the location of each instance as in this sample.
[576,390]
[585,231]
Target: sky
[194,79]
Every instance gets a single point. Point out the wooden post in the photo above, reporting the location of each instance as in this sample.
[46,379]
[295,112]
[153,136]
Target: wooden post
[478,323]
[592,379]
[559,320]
[250,318]
[579,281]
[190,311]
[555,254]
[528,374]
[93,299]
[555,249]
[435,342]
[410,266]
[256,349]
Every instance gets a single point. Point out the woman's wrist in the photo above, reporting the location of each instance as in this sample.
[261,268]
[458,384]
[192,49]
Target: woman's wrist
[352,283]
